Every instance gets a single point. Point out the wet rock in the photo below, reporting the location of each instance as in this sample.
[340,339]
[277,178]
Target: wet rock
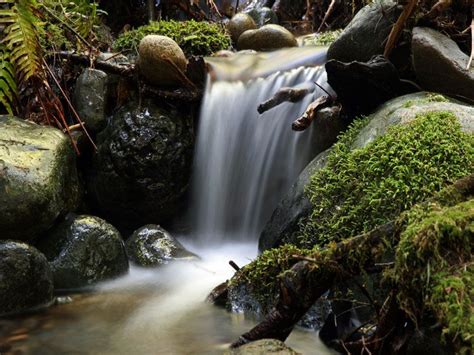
[262,347]
[84,250]
[151,246]
[38,178]
[26,281]
[142,168]
[367,33]
[239,24]
[90,98]
[283,224]
[160,60]
[267,38]
[440,65]
[290,10]
[263,16]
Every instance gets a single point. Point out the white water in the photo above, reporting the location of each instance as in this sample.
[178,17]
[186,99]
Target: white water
[244,162]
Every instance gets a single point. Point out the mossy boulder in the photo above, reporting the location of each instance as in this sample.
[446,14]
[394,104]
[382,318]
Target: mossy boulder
[266,38]
[403,183]
[26,281]
[84,250]
[239,24]
[151,246]
[263,347]
[142,168]
[38,178]
[161,60]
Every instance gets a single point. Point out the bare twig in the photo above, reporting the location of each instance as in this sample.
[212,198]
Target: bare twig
[472,45]
[398,27]
[326,16]
[286,95]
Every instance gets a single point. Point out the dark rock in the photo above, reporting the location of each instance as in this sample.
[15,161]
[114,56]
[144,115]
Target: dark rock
[361,87]
[267,38]
[263,16]
[26,281]
[440,65]
[367,33]
[219,295]
[239,24]
[90,98]
[290,10]
[38,178]
[143,165]
[283,224]
[84,250]
[262,347]
[152,246]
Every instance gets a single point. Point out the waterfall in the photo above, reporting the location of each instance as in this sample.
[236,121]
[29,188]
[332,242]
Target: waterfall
[244,162]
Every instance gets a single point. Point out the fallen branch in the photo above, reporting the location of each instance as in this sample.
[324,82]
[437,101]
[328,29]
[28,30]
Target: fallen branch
[398,27]
[286,94]
[305,120]
[326,16]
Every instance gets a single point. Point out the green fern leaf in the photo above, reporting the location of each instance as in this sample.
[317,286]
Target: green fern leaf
[8,88]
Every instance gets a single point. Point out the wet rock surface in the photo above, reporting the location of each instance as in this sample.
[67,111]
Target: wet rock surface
[267,38]
[440,65]
[142,168]
[239,24]
[38,178]
[26,280]
[261,347]
[84,250]
[151,246]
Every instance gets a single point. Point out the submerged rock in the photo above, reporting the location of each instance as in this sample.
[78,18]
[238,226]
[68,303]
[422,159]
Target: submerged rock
[267,38]
[284,222]
[38,178]
[151,245]
[160,60]
[367,33]
[26,281]
[239,24]
[262,347]
[440,65]
[143,165]
[84,250]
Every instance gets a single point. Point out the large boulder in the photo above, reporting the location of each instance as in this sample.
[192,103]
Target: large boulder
[161,61]
[142,168]
[366,35]
[239,24]
[284,222]
[26,281]
[266,38]
[90,98]
[440,65]
[151,246]
[84,250]
[38,178]
[263,347]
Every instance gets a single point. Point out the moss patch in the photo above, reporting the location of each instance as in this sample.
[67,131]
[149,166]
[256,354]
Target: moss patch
[194,38]
[363,188]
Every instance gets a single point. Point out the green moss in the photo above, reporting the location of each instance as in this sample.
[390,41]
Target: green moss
[431,97]
[323,39]
[194,38]
[434,271]
[362,188]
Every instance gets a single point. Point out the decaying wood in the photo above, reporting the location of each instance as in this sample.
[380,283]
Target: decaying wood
[305,120]
[287,94]
[307,281]
[398,27]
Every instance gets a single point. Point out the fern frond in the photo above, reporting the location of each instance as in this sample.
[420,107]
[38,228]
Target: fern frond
[21,38]
[8,88]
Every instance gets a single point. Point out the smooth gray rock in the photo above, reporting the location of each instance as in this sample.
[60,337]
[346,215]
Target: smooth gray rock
[26,281]
[90,98]
[38,178]
[267,38]
[151,246]
[84,250]
[365,36]
[440,65]
[283,224]
[142,168]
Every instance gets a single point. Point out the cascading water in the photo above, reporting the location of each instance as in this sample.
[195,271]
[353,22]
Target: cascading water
[244,162]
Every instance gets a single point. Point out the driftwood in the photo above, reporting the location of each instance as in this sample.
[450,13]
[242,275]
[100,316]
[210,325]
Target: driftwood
[310,114]
[287,94]
[309,279]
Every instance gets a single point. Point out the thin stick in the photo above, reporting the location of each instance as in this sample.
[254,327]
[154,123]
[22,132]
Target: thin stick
[472,46]
[398,27]
[328,13]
